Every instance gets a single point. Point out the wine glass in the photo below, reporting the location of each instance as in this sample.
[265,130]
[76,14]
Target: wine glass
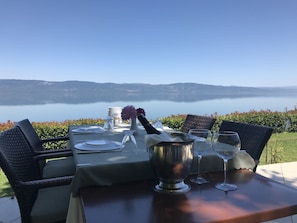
[108,124]
[226,144]
[128,136]
[202,146]
[158,125]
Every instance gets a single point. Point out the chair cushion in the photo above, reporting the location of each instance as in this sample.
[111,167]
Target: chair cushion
[59,167]
[51,204]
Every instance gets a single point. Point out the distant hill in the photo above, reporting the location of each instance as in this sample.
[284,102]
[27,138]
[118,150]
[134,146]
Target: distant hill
[30,92]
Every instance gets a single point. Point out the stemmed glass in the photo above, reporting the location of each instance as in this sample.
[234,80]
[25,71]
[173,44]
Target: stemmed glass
[158,125]
[108,123]
[226,144]
[128,135]
[202,146]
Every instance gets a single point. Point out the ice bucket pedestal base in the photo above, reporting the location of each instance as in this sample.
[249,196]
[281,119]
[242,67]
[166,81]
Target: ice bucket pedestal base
[172,188]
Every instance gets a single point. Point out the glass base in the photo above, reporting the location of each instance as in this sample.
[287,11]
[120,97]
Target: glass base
[199,180]
[226,186]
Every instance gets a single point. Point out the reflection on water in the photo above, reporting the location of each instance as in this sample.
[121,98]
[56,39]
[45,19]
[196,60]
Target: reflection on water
[154,109]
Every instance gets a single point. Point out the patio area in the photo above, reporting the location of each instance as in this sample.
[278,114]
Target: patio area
[283,172]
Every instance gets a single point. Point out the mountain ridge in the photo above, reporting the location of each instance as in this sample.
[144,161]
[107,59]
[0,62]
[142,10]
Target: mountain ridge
[29,92]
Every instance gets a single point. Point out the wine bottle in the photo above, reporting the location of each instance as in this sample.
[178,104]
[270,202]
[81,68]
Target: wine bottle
[148,127]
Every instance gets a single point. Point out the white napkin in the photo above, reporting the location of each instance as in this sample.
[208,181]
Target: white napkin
[153,139]
[243,160]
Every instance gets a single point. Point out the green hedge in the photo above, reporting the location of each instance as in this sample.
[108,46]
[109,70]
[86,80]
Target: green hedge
[280,121]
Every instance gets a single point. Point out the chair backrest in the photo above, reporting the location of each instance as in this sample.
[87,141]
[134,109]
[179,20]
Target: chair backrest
[30,134]
[32,137]
[253,137]
[17,162]
[197,122]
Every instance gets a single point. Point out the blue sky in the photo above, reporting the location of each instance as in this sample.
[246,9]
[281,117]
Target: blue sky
[219,42]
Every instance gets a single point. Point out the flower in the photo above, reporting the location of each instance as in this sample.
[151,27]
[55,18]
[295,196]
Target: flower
[130,112]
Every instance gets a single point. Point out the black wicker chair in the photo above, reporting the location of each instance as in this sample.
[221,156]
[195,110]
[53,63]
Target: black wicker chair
[63,166]
[40,200]
[35,141]
[253,137]
[197,122]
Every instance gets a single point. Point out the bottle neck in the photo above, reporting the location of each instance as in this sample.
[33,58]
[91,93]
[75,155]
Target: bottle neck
[147,126]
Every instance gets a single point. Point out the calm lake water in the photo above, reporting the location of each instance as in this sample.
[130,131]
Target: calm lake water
[154,109]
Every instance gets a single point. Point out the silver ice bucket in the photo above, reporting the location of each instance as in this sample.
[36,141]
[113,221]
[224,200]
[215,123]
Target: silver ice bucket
[171,162]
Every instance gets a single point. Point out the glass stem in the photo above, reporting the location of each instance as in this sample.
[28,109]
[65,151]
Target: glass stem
[199,159]
[225,171]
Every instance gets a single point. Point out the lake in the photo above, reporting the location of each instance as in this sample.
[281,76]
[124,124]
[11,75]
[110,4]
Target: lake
[154,109]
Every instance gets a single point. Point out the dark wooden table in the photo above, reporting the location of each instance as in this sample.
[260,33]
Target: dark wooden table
[257,199]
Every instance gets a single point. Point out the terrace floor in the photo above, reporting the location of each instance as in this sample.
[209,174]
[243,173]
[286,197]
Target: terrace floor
[282,172]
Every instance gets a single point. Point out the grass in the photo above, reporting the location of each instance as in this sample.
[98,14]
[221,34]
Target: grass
[280,148]
[5,189]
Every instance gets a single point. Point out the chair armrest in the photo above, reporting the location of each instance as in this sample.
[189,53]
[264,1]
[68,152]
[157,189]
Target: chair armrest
[63,138]
[52,151]
[42,156]
[44,183]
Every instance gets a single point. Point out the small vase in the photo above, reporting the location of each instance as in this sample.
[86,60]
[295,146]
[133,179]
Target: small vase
[134,126]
